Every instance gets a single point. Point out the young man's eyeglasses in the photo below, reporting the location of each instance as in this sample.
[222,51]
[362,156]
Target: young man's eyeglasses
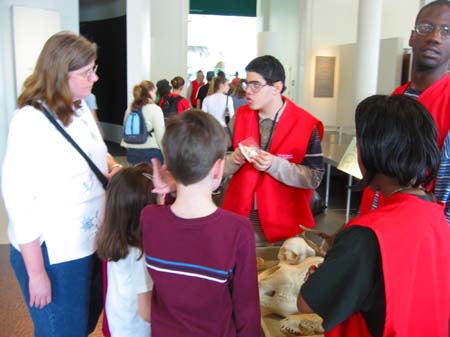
[426,29]
[254,86]
[88,73]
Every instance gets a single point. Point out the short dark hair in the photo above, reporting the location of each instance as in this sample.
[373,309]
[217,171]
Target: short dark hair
[192,143]
[128,192]
[397,137]
[269,68]
[432,4]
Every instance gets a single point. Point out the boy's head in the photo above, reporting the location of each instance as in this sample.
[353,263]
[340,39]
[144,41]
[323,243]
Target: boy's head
[396,137]
[269,68]
[192,144]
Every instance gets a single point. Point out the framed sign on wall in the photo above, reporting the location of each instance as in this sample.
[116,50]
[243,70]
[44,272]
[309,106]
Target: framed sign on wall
[324,76]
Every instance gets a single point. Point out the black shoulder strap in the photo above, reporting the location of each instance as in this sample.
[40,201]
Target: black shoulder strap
[91,164]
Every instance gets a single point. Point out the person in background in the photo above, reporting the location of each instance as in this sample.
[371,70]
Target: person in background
[200,257]
[430,85]
[193,88]
[164,88]
[119,242]
[144,94]
[219,104]
[203,90]
[55,208]
[177,87]
[275,187]
[91,102]
[390,266]
[238,95]
[235,80]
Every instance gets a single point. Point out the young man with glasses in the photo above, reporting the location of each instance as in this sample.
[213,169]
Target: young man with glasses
[275,188]
[430,85]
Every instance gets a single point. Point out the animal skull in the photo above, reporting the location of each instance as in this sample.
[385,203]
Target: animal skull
[294,251]
[279,286]
[301,325]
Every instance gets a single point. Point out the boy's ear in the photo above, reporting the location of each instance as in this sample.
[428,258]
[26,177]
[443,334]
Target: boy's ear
[217,169]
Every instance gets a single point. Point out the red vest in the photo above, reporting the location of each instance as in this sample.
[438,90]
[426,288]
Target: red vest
[436,98]
[194,87]
[281,208]
[414,240]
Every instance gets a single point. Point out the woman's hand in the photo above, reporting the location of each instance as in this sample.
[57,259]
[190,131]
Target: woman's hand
[113,166]
[40,289]
[39,285]
[311,270]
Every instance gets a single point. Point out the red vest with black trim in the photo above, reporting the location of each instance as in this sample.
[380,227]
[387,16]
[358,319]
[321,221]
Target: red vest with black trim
[436,98]
[414,240]
[281,208]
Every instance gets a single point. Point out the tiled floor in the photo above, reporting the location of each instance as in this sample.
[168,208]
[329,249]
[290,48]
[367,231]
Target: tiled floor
[14,318]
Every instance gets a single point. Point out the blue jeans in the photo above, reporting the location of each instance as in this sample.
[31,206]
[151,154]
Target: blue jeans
[136,156]
[67,314]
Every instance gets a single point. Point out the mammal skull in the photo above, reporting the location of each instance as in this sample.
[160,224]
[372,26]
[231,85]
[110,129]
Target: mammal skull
[301,325]
[294,251]
[279,286]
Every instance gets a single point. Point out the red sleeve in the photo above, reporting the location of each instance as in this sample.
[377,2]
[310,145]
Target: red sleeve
[161,101]
[183,105]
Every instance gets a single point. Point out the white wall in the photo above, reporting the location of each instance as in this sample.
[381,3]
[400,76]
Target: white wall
[334,26]
[169,39]
[69,21]
[388,76]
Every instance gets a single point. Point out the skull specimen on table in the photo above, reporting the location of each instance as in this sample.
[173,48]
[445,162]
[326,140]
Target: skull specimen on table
[279,286]
[294,251]
[301,325]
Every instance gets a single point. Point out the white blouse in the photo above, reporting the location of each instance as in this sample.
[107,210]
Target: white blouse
[49,190]
[215,105]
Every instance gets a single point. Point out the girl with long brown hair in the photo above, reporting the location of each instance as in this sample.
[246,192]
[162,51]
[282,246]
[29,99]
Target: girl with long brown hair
[119,242]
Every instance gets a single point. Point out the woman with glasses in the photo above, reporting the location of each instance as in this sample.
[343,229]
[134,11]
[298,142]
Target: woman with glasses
[53,199]
[387,273]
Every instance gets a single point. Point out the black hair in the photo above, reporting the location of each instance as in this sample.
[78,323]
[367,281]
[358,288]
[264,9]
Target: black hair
[163,87]
[192,143]
[269,68]
[432,4]
[397,137]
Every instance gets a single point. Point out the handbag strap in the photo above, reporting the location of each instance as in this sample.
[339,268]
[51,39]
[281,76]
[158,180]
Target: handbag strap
[103,180]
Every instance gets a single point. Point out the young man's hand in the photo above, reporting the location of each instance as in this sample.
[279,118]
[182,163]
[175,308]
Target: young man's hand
[262,161]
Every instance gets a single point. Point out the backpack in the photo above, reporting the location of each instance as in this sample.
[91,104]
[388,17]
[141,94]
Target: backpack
[170,106]
[135,130]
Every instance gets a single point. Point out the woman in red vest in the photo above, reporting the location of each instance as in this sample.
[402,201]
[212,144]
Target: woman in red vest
[388,273]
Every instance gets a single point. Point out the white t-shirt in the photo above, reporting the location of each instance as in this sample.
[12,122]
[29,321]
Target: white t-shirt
[215,105]
[50,192]
[126,279]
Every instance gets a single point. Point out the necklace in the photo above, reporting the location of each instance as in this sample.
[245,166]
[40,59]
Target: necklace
[404,188]
[272,129]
